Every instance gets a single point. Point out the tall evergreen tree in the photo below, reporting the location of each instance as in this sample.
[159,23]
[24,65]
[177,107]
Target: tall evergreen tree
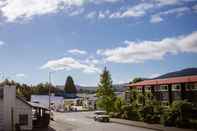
[70,86]
[105,92]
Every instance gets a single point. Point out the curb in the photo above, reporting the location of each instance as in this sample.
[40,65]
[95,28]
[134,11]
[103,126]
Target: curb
[136,125]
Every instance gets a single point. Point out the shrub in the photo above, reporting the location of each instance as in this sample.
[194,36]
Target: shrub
[130,113]
[115,115]
[149,114]
[179,115]
[118,104]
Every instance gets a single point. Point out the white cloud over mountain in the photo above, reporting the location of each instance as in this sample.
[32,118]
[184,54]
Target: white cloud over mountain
[68,63]
[138,52]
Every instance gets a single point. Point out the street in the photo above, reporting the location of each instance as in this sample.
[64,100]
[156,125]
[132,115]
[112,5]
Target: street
[82,121]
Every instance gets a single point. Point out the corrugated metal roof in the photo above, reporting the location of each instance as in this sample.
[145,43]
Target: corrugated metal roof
[174,80]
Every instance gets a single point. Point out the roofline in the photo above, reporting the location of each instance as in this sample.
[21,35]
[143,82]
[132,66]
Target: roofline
[181,79]
[24,101]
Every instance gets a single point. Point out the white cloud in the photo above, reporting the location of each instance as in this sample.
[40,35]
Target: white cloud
[20,75]
[1,43]
[76,12]
[69,63]
[135,11]
[92,61]
[104,1]
[155,75]
[137,52]
[171,2]
[177,11]
[15,9]
[91,15]
[167,2]
[156,19]
[77,51]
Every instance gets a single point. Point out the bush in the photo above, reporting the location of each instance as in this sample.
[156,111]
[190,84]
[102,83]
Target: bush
[115,115]
[179,115]
[130,113]
[194,124]
[118,104]
[149,114]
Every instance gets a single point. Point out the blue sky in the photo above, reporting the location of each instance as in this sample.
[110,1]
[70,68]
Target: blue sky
[135,38]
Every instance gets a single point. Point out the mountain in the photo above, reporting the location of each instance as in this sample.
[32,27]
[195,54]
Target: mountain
[92,89]
[184,72]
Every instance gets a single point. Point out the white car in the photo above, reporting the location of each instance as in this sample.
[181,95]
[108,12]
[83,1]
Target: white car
[101,116]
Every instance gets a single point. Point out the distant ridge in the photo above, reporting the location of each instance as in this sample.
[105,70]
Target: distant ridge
[117,87]
[184,72]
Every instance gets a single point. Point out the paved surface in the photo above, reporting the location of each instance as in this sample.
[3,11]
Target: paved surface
[81,121]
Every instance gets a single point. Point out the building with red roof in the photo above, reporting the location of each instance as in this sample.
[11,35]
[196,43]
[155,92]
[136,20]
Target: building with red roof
[181,85]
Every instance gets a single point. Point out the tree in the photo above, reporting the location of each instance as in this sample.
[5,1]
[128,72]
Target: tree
[70,86]
[118,104]
[105,92]
[137,79]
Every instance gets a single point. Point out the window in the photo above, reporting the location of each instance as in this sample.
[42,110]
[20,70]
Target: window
[1,93]
[164,88]
[191,86]
[23,119]
[148,88]
[176,87]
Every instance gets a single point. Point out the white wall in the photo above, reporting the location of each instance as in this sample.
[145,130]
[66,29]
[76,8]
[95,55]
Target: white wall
[10,102]
[1,114]
[22,108]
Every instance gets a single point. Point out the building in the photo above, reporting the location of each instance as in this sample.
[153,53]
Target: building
[181,85]
[57,102]
[14,110]
[89,101]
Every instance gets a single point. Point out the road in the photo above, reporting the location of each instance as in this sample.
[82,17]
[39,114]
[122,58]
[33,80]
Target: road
[82,121]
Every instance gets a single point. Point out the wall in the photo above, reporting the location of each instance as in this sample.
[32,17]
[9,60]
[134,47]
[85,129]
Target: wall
[9,99]
[1,114]
[23,108]
[12,107]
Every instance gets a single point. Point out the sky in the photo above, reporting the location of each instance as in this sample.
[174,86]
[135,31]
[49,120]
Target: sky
[132,38]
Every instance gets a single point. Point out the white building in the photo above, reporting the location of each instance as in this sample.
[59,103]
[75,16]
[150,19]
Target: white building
[14,110]
[57,102]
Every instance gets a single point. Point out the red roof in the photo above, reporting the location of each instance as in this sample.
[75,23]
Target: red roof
[173,80]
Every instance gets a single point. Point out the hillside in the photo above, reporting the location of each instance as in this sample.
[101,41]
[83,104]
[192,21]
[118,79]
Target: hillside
[184,72]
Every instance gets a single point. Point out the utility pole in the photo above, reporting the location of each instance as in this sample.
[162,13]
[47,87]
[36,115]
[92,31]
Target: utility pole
[50,91]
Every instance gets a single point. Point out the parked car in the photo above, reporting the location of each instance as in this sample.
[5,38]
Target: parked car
[101,116]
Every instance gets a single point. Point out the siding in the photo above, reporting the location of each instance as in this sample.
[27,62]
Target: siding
[22,108]
[1,114]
